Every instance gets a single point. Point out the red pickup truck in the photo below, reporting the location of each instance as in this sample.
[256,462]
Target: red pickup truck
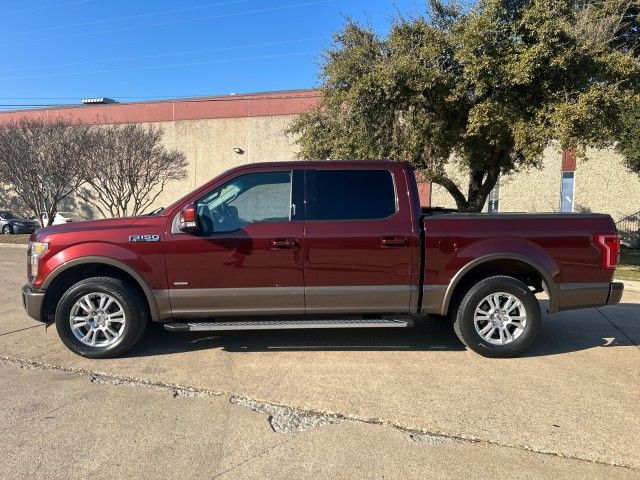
[340,244]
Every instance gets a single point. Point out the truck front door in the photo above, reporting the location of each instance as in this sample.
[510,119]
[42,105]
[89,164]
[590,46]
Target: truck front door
[247,258]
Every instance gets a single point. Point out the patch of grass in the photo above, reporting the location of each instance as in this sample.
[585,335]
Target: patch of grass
[20,239]
[628,273]
[629,267]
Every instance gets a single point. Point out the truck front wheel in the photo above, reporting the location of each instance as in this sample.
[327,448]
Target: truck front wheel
[498,317]
[101,317]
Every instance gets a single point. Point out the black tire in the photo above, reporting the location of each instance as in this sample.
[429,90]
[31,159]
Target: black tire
[133,306]
[7,230]
[463,317]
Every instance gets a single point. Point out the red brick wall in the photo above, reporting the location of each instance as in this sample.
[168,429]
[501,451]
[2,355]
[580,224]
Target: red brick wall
[424,190]
[568,160]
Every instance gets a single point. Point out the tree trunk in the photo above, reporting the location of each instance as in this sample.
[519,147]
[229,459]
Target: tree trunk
[480,184]
[479,190]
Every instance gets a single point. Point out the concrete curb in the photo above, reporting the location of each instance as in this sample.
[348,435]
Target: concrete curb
[13,245]
[630,285]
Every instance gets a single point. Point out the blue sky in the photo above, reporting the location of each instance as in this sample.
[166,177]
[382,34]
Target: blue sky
[59,51]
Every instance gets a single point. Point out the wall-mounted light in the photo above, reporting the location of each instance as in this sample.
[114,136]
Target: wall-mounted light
[238,150]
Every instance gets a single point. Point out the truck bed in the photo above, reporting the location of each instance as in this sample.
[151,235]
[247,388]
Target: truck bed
[559,247]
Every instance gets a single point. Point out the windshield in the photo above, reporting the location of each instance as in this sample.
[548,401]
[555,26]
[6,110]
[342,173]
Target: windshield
[6,215]
[154,212]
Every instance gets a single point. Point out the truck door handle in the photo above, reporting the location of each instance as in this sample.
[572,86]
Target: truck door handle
[393,242]
[283,244]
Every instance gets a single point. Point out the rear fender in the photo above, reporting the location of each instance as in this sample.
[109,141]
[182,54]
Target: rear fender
[518,249]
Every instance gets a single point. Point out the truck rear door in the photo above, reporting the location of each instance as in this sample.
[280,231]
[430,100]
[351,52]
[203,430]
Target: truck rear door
[359,250]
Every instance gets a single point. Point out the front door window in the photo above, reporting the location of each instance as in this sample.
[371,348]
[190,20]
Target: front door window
[246,200]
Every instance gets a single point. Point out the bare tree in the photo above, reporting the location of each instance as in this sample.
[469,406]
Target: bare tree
[609,22]
[42,162]
[129,169]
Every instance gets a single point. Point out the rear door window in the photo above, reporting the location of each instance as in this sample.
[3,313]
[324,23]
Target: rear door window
[354,194]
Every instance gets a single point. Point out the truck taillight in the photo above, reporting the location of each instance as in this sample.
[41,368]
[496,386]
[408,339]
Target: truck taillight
[609,245]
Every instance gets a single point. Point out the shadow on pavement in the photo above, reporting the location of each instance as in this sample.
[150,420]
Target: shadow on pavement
[561,333]
[432,334]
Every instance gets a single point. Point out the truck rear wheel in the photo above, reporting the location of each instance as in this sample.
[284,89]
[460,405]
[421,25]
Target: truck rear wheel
[498,317]
[101,317]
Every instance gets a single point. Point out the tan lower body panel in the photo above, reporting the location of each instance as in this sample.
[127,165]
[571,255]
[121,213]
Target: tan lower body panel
[203,302]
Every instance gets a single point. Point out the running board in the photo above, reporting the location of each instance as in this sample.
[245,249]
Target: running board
[287,324]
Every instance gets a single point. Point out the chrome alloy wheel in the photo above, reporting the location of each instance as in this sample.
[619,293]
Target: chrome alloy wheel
[500,318]
[97,319]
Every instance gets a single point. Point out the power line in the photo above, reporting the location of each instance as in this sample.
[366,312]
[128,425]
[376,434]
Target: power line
[226,98]
[10,105]
[162,55]
[129,17]
[38,98]
[182,97]
[158,67]
[174,22]
[45,7]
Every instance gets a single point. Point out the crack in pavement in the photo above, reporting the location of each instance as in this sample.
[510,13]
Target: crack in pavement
[246,460]
[286,419]
[21,329]
[176,390]
[617,328]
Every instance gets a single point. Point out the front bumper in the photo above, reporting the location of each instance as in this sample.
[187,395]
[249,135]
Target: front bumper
[32,301]
[584,295]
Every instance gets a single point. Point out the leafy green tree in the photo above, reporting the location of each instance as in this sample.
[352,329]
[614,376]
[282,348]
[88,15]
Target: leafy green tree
[629,145]
[487,89]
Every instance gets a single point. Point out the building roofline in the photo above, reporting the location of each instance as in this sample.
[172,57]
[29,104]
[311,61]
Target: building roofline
[284,102]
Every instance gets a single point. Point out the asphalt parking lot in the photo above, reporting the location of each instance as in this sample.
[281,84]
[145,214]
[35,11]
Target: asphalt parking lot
[331,404]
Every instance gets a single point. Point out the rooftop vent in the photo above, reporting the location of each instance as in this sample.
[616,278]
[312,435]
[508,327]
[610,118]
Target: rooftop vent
[98,101]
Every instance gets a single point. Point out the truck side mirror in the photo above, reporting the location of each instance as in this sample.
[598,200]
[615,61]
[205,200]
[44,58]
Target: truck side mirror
[188,222]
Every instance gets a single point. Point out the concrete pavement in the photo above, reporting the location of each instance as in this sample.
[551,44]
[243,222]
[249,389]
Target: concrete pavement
[59,424]
[384,404]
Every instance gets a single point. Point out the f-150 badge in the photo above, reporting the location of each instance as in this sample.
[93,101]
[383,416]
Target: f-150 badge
[144,238]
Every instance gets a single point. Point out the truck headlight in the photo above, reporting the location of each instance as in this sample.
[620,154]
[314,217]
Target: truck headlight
[36,250]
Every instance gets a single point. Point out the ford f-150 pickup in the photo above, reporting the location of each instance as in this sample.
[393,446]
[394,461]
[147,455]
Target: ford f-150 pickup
[327,244]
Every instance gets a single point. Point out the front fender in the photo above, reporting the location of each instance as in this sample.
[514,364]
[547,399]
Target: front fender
[106,254]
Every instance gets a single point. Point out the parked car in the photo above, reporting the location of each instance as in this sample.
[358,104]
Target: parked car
[60,218]
[11,222]
[316,245]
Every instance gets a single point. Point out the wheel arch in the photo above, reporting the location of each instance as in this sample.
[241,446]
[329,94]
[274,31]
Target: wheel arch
[510,264]
[65,275]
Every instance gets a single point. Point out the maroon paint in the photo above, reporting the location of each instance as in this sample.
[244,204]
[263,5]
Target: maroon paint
[108,239]
[337,253]
[241,259]
[352,252]
[562,244]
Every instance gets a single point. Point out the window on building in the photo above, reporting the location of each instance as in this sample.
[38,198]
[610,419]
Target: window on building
[355,194]
[493,202]
[566,193]
[252,198]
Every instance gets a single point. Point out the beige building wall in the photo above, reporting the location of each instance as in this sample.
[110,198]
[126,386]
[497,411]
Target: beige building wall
[207,131]
[209,147]
[602,184]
